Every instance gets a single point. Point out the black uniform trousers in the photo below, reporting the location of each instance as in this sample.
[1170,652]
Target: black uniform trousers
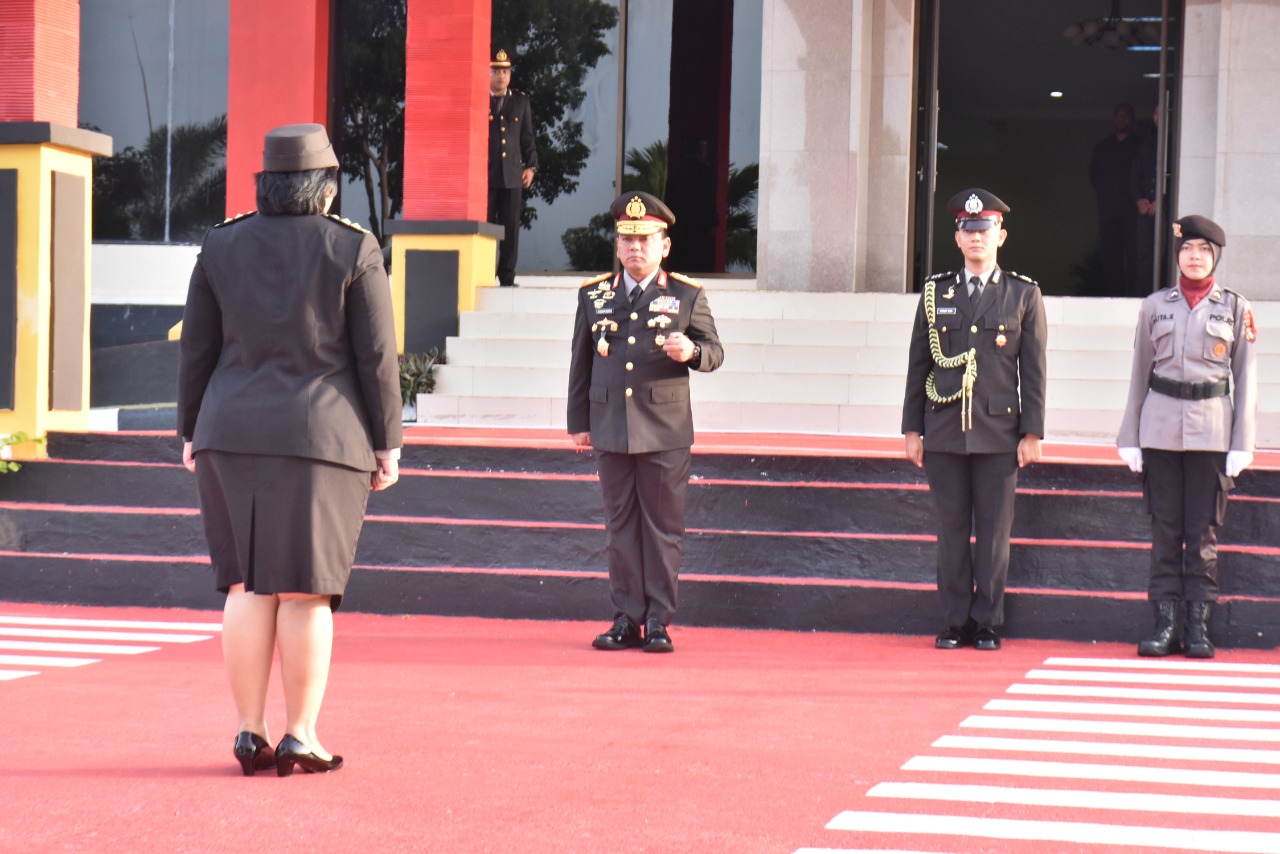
[644,519]
[973,494]
[504,210]
[1186,493]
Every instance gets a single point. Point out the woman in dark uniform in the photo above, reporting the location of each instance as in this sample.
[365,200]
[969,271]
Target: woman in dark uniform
[289,405]
[1190,423]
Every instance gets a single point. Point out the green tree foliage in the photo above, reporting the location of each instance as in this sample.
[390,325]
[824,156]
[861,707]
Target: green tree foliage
[373,79]
[128,188]
[555,43]
[591,247]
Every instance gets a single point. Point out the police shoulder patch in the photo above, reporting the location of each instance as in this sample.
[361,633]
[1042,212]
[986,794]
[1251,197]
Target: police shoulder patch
[681,277]
[235,218]
[1027,279]
[595,280]
[348,223]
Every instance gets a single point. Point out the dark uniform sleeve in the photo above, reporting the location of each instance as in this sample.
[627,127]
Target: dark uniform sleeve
[578,417]
[528,146]
[199,349]
[702,331]
[1032,365]
[919,361]
[371,324]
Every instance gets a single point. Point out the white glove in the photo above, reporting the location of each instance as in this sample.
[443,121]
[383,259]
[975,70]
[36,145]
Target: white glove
[1132,456]
[1238,461]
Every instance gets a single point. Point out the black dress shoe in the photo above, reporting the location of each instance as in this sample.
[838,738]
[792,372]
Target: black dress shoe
[986,638]
[291,752]
[656,638]
[253,753]
[954,637]
[623,634]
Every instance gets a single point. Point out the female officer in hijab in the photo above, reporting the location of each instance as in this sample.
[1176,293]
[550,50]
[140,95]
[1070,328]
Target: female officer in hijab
[1190,426]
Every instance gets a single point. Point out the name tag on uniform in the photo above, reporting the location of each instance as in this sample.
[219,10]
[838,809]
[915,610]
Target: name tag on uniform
[946,309]
[600,311]
[665,305]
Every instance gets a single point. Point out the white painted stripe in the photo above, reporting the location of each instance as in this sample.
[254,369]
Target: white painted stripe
[1141,801]
[1146,694]
[1155,678]
[1090,771]
[1134,710]
[1163,664]
[100,648]
[1110,748]
[45,661]
[109,624]
[89,635]
[1232,841]
[6,675]
[1141,728]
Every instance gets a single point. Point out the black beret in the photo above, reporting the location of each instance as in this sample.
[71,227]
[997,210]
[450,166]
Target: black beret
[639,212]
[976,209]
[1198,227]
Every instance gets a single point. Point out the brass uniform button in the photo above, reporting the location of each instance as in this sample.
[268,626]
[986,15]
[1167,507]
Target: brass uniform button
[973,330]
[630,366]
[631,339]
[628,392]
[944,329]
[635,316]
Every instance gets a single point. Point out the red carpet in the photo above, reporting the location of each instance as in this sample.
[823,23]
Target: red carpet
[467,735]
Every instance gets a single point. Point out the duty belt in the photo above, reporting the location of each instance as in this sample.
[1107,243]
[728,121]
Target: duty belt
[1188,391]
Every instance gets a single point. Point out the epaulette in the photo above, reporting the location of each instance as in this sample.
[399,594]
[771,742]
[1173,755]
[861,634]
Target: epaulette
[1027,279]
[235,218]
[681,277]
[595,280]
[348,223]
[938,276]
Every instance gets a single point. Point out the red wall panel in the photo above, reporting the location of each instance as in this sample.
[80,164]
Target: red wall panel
[40,61]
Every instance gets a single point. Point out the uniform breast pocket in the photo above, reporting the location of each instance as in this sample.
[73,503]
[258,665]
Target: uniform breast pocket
[669,394]
[1002,335]
[1219,336]
[946,326]
[1162,340]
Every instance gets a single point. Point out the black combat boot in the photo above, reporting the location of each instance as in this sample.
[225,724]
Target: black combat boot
[1165,640]
[1195,635]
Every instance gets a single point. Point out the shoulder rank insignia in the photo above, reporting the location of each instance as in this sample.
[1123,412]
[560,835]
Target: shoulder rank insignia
[938,276]
[681,277]
[348,223]
[1027,279]
[235,218]
[595,280]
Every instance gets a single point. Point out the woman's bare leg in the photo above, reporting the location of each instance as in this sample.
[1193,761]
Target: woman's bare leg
[304,634]
[248,644]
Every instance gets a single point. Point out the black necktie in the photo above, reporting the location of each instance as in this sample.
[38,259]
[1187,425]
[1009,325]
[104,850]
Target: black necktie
[977,288]
[635,294]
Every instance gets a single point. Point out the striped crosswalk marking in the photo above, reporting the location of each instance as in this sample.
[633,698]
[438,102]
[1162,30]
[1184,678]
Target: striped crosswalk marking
[32,644]
[1168,712]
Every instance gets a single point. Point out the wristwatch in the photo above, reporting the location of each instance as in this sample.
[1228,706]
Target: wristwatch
[697,352]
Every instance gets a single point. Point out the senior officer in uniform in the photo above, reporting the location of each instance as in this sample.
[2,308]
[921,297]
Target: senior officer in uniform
[636,336]
[513,159]
[1190,424]
[974,414]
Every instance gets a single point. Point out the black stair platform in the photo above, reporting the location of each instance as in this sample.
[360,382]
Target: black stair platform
[812,540]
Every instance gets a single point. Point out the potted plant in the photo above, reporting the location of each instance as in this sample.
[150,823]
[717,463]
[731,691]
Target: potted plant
[417,376]
[6,450]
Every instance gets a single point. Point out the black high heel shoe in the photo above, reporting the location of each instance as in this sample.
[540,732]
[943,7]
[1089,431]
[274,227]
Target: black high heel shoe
[253,752]
[291,752]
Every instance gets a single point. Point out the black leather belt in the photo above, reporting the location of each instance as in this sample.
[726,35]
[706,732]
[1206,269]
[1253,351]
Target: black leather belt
[1189,391]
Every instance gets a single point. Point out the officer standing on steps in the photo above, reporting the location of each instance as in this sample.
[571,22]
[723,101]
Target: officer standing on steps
[1189,426]
[974,414]
[636,337]
[513,160]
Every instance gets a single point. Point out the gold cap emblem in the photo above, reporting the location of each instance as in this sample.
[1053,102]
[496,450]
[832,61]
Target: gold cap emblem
[1177,230]
[973,204]
[636,208]
[502,56]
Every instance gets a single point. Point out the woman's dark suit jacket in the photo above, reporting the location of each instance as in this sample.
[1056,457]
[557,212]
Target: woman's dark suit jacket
[288,343]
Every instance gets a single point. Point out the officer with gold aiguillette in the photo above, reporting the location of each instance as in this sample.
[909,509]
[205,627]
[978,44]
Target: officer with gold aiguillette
[974,414]
[637,335]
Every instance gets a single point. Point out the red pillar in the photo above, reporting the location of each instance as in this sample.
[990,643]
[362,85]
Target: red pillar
[446,110]
[279,75]
[40,61]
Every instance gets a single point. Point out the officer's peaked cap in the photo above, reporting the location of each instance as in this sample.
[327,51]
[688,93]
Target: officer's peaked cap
[641,213]
[976,209]
[501,59]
